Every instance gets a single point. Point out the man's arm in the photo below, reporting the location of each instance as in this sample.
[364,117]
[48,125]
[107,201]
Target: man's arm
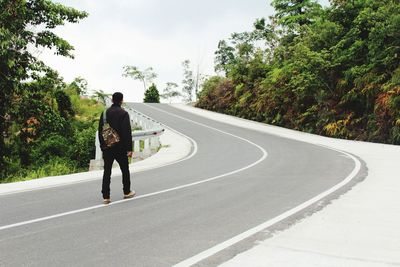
[102,144]
[127,133]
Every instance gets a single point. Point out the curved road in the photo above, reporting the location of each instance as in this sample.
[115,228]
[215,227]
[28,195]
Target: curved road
[234,180]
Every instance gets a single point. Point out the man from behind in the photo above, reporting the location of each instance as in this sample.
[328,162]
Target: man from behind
[118,119]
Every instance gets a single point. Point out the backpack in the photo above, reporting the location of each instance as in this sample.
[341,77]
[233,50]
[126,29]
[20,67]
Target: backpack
[109,135]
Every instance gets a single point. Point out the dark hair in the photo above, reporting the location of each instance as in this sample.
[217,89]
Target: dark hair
[117,98]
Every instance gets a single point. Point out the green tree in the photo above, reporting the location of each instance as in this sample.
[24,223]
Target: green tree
[24,23]
[170,91]
[188,81]
[224,57]
[79,85]
[292,13]
[146,76]
[101,96]
[152,95]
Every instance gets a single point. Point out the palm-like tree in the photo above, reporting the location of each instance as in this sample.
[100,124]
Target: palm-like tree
[101,96]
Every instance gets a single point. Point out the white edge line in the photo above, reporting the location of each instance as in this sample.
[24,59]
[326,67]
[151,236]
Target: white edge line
[219,247]
[154,193]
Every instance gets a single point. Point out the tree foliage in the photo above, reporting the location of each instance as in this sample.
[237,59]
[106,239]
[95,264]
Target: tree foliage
[64,104]
[101,96]
[294,13]
[55,125]
[146,76]
[28,106]
[188,81]
[152,95]
[80,85]
[332,71]
[170,91]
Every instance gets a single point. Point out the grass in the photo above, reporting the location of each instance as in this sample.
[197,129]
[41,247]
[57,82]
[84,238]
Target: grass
[55,167]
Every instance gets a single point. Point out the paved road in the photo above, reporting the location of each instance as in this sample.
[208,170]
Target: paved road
[247,189]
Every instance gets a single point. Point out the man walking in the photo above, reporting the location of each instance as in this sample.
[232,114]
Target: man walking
[118,119]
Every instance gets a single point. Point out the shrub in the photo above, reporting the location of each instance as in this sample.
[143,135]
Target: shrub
[48,147]
[83,149]
[64,104]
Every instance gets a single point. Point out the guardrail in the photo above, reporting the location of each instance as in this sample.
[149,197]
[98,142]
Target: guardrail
[149,133]
[145,136]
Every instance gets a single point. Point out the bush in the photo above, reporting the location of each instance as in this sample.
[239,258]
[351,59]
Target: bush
[64,104]
[48,147]
[12,167]
[83,149]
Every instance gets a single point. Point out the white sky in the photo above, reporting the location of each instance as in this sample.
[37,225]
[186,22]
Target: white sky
[149,33]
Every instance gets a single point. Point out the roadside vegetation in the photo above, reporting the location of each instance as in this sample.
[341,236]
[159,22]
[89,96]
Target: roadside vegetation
[332,71]
[47,127]
[54,133]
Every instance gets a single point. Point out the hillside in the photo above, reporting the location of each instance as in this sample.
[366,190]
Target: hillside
[332,71]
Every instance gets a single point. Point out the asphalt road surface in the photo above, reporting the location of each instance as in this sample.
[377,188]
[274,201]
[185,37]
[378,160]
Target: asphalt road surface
[235,179]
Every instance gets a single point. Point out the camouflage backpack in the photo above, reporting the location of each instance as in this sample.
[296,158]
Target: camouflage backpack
[110,135]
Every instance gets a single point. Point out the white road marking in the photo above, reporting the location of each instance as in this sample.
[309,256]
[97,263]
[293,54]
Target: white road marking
[219,247]
[264,155]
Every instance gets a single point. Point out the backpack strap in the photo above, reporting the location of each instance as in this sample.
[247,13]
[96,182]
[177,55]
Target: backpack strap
[104,116]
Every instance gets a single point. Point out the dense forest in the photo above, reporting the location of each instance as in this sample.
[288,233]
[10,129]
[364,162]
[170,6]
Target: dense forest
[330,70]
[47,126]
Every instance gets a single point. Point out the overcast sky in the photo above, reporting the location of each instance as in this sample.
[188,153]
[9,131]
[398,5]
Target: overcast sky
[149,33]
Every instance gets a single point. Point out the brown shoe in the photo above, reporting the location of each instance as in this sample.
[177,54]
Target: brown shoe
[106,201]
[130,195]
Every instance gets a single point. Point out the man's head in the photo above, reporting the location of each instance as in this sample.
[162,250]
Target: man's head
[117,98]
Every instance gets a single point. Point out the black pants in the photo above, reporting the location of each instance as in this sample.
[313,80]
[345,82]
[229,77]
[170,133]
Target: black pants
[120,156]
